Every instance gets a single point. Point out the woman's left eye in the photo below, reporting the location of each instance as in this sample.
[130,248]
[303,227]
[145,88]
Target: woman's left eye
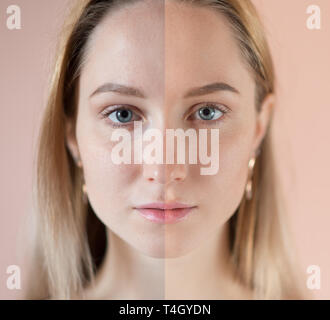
[209,112]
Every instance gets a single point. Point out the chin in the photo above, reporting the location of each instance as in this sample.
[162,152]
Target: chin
[165,251]
[160,249]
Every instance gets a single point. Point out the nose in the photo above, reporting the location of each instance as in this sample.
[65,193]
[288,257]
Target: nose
[162,172]
[165,173]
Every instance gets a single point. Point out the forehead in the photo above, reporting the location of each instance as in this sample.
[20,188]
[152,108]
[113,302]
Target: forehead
[127,47]
[201,45]
[149,42]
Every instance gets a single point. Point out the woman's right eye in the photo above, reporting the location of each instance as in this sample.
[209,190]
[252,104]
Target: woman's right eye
[121,116]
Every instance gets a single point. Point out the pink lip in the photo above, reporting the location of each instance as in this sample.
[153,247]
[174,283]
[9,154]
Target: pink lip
[165,212]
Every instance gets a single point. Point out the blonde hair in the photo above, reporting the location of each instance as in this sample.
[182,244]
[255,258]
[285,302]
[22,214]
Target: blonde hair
[71,240]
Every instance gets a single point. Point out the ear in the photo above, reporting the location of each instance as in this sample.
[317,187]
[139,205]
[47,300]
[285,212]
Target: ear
[263,118]
[71,140]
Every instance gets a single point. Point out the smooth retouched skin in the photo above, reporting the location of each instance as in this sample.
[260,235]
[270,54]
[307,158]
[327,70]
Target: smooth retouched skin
[165,49]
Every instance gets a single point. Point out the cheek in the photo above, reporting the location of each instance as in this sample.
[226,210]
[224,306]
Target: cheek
[217,196]
[107,183]
[223,191]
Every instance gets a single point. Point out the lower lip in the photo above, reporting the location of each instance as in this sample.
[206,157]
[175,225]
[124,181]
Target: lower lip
[165,216]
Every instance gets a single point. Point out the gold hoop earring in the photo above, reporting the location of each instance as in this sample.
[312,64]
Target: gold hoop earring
[79,163]
[84,191]
[248,187]
[83,187]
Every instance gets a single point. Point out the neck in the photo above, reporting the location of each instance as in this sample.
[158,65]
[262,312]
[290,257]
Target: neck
[129,274]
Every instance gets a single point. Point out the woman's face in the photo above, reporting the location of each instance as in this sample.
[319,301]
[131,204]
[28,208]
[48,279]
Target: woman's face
[165,50]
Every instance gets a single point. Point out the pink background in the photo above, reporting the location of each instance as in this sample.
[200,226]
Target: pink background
[302,60]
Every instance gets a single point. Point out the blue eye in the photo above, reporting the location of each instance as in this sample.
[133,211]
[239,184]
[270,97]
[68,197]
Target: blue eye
[121,116]
[210,113]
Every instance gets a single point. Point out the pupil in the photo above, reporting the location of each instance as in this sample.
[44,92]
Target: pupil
[206,113]
[122,115]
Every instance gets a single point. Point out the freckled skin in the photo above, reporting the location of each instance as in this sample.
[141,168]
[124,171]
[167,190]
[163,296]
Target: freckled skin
[165,56]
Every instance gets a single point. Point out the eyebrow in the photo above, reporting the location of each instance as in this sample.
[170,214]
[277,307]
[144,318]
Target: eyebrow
[119,88]
[135,92]
[210,88]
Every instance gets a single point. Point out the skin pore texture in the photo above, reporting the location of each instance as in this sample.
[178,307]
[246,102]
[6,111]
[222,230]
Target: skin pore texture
[165,49]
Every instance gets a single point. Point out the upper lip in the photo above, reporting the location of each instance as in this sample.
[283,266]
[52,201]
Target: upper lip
[164,206]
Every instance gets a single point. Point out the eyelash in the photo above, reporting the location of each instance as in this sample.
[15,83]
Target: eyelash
[107,112]
[223,109]
[220,107]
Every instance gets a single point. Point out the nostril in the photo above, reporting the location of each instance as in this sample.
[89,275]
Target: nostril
[177,175]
